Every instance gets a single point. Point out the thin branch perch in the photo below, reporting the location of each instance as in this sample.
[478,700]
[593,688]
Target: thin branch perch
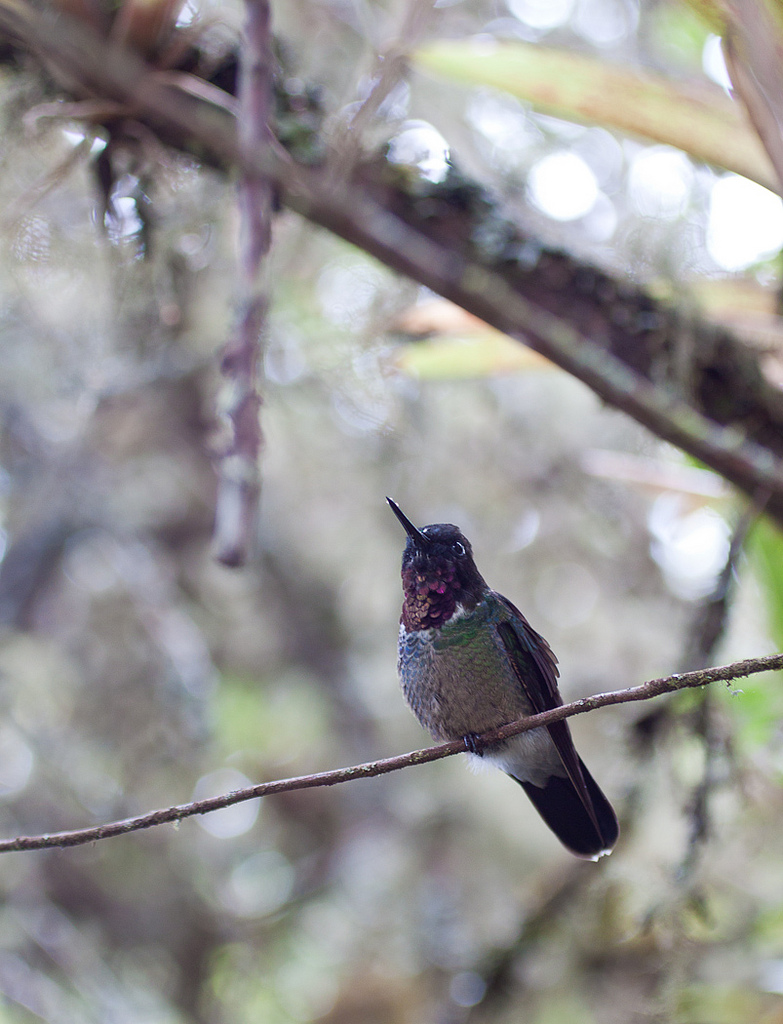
[652,688]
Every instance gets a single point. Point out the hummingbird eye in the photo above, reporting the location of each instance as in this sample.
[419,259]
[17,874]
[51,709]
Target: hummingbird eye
[458,547]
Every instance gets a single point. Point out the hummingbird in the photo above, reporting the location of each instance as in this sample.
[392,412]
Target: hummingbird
[469,662]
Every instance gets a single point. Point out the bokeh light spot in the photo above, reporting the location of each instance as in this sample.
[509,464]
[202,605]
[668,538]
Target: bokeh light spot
[422,146]
[660,182]
[745,223]
[228,822]
[690,547]
[563,186]
[714,63]
[542,14]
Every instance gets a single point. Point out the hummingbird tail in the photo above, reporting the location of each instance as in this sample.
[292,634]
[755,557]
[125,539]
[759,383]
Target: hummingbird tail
[561,807]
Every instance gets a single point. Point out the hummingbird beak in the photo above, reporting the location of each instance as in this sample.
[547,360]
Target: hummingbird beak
[414,532]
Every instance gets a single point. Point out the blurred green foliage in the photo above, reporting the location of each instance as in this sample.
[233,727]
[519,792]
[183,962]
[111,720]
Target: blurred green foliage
[766,553]
[680,33]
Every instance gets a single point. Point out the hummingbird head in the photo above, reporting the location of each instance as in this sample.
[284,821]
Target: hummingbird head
[439,576]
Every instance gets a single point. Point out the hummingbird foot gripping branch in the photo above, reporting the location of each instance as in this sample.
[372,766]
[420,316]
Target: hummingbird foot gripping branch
[469,662]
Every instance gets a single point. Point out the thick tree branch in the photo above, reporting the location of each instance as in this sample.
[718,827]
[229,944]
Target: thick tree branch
[752,44]
[441,253]
[652,688]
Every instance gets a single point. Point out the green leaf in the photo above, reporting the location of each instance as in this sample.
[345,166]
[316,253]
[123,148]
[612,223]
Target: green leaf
[711,12]
[756,705]
[277,721]
[678,33]
[757,702]
[765,548]
[702,121]
[484,354]
[718,1004]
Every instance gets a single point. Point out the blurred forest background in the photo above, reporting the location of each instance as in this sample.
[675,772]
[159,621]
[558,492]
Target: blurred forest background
[136,671]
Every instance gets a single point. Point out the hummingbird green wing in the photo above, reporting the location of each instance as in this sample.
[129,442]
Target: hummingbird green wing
[535,666]
[534,663]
